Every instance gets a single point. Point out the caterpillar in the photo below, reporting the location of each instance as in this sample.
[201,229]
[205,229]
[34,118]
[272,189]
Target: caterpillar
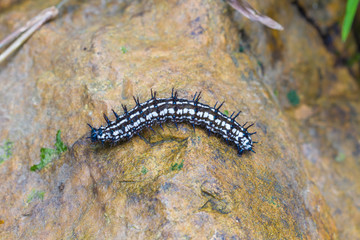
[177,110]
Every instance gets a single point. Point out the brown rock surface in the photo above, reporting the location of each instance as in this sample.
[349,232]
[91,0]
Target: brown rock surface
[180,184]
[327,118]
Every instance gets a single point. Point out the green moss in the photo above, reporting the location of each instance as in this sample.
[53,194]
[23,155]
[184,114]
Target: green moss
[353,59]
[177,166]
[226,112]
[48,154]
[107,219]
[260,64]
[35,194]
[293,97]
[272,200]
[6,150]
[123,49]
[144,170]
[241,48]
[59,145]
[340,157]
[276,92]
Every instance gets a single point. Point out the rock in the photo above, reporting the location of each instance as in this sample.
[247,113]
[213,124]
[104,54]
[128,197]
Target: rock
[6,3]
[177,183]
[327,116]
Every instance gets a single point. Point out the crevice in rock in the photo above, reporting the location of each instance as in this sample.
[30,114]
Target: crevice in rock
[326,37]
[311,21]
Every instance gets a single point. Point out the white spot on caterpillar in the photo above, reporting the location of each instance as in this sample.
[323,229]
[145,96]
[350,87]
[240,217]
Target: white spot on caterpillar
[134,115]
[160,104]
[163,112]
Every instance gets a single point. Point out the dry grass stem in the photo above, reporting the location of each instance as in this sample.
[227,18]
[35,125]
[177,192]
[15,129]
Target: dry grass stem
[248,11]
[23,33]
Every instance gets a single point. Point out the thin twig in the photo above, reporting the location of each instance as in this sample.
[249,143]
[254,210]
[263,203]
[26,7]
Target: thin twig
[61,4]
[243,7]
[19,41]
[27,30]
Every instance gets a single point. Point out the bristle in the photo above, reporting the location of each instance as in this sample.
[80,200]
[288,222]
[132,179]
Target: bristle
[137,101]
[107,119]
[153,94]
[220,106]
[116,116]
[198,98]
[142,137]
[249,126]
[236,116]
[194,96]
[152,129]
[125,108]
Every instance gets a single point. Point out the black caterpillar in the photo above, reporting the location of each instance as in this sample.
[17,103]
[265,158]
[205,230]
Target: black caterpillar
[160,110]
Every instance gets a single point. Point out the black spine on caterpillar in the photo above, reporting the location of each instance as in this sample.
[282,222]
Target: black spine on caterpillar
[174,109]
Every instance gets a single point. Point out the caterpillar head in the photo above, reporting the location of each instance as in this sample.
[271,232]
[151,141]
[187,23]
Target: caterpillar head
[95,133]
